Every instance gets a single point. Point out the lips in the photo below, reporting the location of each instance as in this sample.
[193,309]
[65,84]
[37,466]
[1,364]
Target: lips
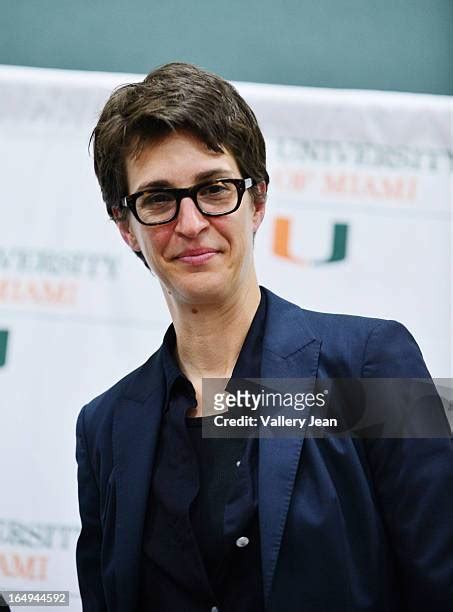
[197,256]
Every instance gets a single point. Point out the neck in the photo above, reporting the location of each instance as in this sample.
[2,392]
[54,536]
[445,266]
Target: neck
[210,336]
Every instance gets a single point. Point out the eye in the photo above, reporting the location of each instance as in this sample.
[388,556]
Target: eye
[156,198]
[216,190]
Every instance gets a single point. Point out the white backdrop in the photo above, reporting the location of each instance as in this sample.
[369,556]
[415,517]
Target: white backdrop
[358,220]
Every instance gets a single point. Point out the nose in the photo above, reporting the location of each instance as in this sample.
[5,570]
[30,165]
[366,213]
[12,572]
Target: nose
[190,221]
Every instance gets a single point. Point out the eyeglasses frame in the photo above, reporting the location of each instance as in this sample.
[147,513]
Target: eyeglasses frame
[242,184]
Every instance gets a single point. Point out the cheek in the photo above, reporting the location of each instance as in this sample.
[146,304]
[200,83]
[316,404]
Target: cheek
[239,236]
[238,227]
[154,241]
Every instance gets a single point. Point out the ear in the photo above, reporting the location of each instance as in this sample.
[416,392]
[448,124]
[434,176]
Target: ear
[127,233]
[259,204]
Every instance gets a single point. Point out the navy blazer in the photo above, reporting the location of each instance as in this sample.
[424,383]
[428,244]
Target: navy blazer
[346,525]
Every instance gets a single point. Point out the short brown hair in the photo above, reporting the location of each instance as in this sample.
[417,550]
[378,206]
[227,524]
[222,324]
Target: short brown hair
[173,97]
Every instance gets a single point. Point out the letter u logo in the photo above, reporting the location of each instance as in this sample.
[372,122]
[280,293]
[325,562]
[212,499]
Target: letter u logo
[3,346]
[282,239]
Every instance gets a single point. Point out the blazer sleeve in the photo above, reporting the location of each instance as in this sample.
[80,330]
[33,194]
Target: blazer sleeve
[413,481]
[88,552]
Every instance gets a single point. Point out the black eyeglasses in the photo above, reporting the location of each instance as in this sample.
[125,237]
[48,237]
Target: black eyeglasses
[213,198]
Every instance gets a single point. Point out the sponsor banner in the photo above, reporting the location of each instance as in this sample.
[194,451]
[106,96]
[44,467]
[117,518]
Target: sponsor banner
[359,213]
[358,220]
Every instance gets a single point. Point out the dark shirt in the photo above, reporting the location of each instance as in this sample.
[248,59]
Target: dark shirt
[201,545]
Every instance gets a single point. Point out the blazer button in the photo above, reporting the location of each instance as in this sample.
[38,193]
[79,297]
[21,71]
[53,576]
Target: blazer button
[242,541]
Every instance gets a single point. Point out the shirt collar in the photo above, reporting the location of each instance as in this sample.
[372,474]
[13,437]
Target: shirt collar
[172,371]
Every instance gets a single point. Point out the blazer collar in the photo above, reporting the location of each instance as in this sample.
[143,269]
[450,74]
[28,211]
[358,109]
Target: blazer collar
[290,350]
[287,329]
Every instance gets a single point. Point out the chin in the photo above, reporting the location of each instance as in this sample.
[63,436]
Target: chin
[202,289]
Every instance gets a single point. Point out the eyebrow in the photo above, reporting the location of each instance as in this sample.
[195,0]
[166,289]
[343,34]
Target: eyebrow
[201,176]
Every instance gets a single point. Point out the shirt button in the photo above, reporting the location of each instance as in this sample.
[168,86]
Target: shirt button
[238,463]
[242,541]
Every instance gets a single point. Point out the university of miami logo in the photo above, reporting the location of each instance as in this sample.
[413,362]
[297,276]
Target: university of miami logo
[3,346]
[282,243]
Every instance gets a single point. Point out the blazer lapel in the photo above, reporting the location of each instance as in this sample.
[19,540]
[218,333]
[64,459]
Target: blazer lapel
[289,351]
[135,434]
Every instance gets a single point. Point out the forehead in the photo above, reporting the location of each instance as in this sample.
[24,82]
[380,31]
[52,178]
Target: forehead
[178,159]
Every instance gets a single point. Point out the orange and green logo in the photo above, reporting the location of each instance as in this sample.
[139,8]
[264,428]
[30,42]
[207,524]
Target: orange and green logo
[3,346]
[282,243]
